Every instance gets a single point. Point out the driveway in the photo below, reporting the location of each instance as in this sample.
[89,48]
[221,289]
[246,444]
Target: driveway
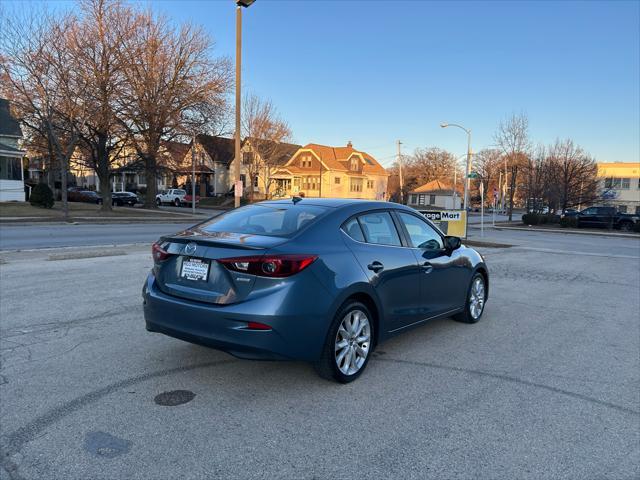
[545,386]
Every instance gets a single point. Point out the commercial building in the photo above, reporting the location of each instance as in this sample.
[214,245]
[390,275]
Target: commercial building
[619,184]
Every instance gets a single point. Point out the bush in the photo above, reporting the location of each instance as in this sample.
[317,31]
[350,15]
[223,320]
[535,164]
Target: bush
[569,222]
[636,227]
[41,196]
[531,219]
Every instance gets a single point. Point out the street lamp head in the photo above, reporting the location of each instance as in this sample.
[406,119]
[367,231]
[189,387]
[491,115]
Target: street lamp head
[444,125]
[244,3]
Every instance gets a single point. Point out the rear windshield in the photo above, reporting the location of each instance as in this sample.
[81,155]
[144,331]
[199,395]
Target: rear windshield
[273,220]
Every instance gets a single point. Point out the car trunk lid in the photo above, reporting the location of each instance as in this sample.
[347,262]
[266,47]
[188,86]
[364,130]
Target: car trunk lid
[192,270]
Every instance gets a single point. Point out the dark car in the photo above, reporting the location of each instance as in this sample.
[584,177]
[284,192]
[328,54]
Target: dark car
[87,196]
[124,198]
[320,280]
[606,217]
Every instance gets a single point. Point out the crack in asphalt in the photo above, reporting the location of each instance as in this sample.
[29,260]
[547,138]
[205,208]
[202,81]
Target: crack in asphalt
[511,379]
[13,443]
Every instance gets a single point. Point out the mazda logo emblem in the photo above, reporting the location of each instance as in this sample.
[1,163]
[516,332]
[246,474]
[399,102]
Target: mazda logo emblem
[190,249]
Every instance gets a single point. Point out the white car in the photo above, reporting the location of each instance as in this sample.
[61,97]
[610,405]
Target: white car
[174,196]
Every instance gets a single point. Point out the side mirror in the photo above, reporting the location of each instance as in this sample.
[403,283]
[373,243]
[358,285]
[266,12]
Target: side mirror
[452,243]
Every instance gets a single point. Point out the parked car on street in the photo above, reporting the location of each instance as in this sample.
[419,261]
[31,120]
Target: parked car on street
[124,198]
[186,200]
[569,212]
[173,196]
[320,280]
[75,194]
[606,217]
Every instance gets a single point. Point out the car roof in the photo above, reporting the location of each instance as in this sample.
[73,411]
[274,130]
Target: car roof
[335,202]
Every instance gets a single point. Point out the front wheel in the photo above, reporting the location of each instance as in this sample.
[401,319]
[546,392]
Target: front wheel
[476,298]
[348,345]
[176,202]
[626,226]
[158,202]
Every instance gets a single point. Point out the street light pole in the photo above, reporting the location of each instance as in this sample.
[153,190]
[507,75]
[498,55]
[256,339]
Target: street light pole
[238,92]
[468,168]
[239,5]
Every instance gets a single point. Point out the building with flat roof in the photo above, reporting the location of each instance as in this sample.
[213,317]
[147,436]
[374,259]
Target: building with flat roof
[619,183]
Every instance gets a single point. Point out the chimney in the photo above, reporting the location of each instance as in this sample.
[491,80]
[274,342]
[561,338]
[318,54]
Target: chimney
[349,144]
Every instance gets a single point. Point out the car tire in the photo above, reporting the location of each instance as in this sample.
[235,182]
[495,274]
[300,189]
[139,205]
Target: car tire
[626,226]
[345,364]
[158,202]
[99,201]
[176,202]
[476,298]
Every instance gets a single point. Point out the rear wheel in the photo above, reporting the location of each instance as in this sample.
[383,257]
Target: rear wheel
[158,202]
[348,345]
[177,202]
[476,298]
[626,226]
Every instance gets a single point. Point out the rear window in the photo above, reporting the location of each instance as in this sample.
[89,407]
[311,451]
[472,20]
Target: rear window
[272,220]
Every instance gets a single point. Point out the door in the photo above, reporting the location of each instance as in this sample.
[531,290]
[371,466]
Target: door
[444,276]
[392,269]
[587,217]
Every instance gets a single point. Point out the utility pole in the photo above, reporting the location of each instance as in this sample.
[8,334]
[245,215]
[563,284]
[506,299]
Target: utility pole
[193,175]
[238,91]
[400,173]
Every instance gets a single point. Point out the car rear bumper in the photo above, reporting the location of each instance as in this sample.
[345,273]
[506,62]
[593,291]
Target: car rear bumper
[294,335]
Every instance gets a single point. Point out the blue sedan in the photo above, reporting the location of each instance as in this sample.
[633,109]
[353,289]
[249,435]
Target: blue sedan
[320,280]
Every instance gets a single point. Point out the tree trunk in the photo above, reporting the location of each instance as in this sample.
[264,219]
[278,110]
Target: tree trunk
[152,183]
[103,173]
[63,187]
[512,191]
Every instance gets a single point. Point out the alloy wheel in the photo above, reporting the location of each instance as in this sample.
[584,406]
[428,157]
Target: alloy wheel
[353,342]
[476,298]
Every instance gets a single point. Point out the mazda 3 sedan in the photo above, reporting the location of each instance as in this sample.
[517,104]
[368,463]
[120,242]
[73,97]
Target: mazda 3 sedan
[320,280]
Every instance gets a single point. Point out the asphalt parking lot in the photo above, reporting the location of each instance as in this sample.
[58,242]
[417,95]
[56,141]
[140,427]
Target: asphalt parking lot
[547,385]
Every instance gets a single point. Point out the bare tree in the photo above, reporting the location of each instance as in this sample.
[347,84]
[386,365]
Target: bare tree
[96,45]
[169,75]
[45,95]
[487,163]
[574,174]
[266,133]
[512,138]
[536,175]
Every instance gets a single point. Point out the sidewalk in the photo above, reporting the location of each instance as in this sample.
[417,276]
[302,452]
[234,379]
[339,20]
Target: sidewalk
[571,231]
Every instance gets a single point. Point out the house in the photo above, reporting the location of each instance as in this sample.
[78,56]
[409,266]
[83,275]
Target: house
[213,157]
[323,171]
[11,166]
[619,183]
[260,160]
[436,195]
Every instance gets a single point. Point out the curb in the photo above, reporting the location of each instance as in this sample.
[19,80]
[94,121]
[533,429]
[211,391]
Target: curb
[570,232]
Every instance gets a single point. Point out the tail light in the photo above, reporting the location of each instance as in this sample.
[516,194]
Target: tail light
[158,253]
[275,266]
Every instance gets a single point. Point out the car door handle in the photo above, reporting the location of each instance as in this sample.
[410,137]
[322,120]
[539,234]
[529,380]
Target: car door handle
[427,267]
[375,266]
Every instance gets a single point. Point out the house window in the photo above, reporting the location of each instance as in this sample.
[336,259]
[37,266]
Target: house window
[626,183]
[296,182]
[337,180]
[369,184]
[622,208]
[432,199]
[422,199]
[306,161]
[10,168]
[413,199]
[356,185]
[612,183]
[247,157]
[255,181]
[354,164]
[310,183]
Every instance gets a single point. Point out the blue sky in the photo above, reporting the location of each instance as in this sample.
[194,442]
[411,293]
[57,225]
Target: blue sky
[374,72]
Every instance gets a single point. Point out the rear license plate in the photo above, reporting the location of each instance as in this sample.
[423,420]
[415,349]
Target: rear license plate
[195,269]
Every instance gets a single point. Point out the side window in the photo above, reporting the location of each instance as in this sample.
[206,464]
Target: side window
[352,228]
[420,233]
[589,211]
[378,228]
